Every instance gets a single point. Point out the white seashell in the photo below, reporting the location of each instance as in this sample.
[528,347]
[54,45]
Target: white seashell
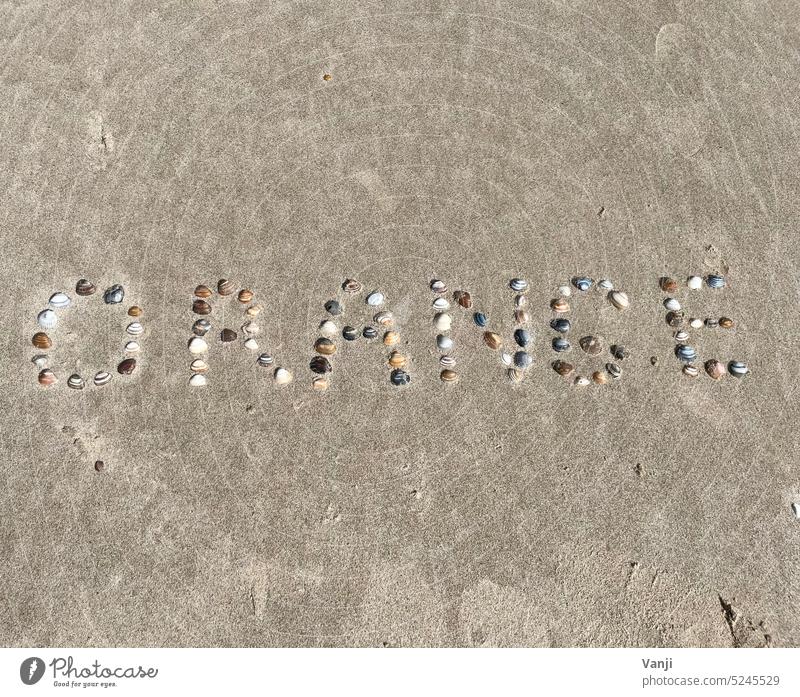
[796,509]
[694,282]
[672,304]
[283,376]
[581,381]
[521,301]
[619,299]
[441,304]
[102,378]
[447,361]
[681,336]
[375,298]
[442,321]
[135,328]
[132,347]
[39,360]
[199,366]
[197,345]
[444,343]
[251,329]
[251,344]
[605,284]
[198,380]
[47,319]
[695,323]
[384,319]
[506,358]
[59,300]
[328,329]
[565,291]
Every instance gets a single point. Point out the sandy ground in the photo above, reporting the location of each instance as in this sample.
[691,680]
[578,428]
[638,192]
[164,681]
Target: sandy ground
[162,145]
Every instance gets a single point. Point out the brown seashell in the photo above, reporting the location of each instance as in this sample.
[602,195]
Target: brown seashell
[320,383]
[591,344]
[201,307]
[563,368]
[559,305]
[726,322]
[227,336]
[351,286]
[41,340]
[253,310]
[600,377]
[715,369]
[325,346]
[245,296]
[493,341]
[521,316]
[397,360]
[675,319]
[668,285]
[391,338]
[448,375]
[127,366]
[203,292]
[463,298]
[84,287]
[225,287]
[135,311]
[47,377]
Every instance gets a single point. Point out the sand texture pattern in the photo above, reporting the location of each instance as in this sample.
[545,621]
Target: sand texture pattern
[162,145]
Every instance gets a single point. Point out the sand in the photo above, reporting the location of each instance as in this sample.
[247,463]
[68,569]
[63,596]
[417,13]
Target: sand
[161,146]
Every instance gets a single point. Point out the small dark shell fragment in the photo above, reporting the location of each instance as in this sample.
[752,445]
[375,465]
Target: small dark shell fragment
[99,465]
[227,336]
[325,346]
[591,344]
[619,352]
[127,366]
[480,319]
[201,307]
[113,295]
[84,287]
[370,332]
[561,324]
[225,287]
[203,292]
[350,333]
[41,340]
[563,368]
[463,298]
[675,318]
[400,377]
[522,337]
[351,286]
[201,327]
[333,307]
[320,364]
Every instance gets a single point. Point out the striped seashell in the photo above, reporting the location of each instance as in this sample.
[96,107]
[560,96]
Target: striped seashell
[444,343]
[591,344]
[522,337]
[251,329]
[685,353]
[135,328]
[561,344]
[463,298]
[384,319]
[564,290]
[369,332]
[251,344]
[39,360]
[447,361]
[715,369]
[397,360]
[349,333]
[114,295]
[514,375]
[711,322]
[438,286]
[198,380]
[442,322]
[351,286]
[198,365]
[492,340]
[668,285]
[375,299]
[690,370]
[132,347]
[245,296]
[681,336]
[84,288]
[41,341]
[203,292]
[225,287]
[582,381]
[582,283]
[201,327]
[675,319]
[227,336]
[197,345]
[75,382]
[47,377]
[102,378]
[738,369]
[448,375]
[605,285]
[325,346]
[441,304]
[399,377]
[519,285]
[672,304]
[506,359]
[283,376]
[600,377]
[320,364]
[264,360]
[201,307]
[320,383]
[480,319]
[328,328]
[694,283]
[614,370]
[521,317]
[715,281]
[561,324]
[563,368]
[726,322]
[135,311]
[559,305]
[695,323]
[127,366]
[391,338]
[59,300]
[619,299]
[253,310]
[47,319]
[522,359]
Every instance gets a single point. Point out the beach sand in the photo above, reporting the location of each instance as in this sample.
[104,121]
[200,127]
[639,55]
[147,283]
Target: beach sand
[164,146]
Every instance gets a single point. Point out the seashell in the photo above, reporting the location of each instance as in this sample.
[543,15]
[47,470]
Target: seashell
[369,332]
[397,360]
[375,299]
[690,370]
[251,344]
[201,327]
[114,295]
[560,305]
[225,287]
[493,340]
[561,324]
[514,375]
[351,286]
[245,296]
[399,377]
[560,344]
[447,361]
[102,378]
[350,333]
[438,286]
[391,338]
[47,377]
[59,300]
[198,380]
[672,304]
[521,301]
[384,319]
[127,366]
[600,378]
[564,291]
[581,381]
[563,368]
[582,283]
[448,375]
[135,311]
[605,285]
[463,298]
[675,319]
[685,353]
[320,383]
[84,288]
[522,359]
[251,329]
[201,307]
[726,322]
[135,328]
[480,319]
[320,364]
[681,336]
[198,365]
[264,360]
[668,285]
[738,369]
[506,359]
[614,371]
[444,343]
[520,285]
[283,376]
[197,345]
[226,336]
[328,328]
[441,304]
[325,346]
[521,317]
[203,292]
[39,360]
[334,307]
[253,310]
[47,319]
[591,344]
[711,323]
[522,337]
[619,299]
[132,347]
[715,369]
[442,321]
[619,352]
[694,283]
[695,323]
[653,360]
[715,281]
[41,341]
[75,382]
